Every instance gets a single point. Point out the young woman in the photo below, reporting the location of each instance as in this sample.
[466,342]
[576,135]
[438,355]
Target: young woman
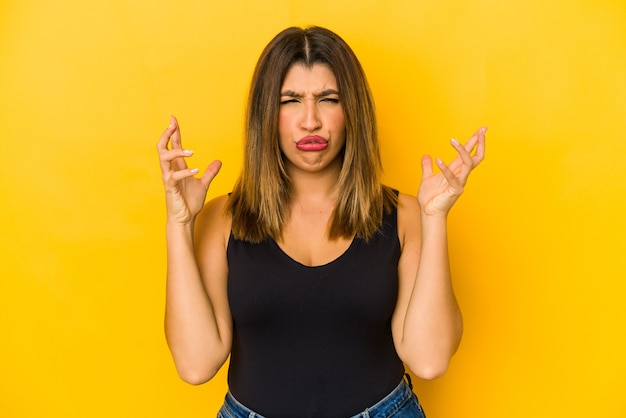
[317,280]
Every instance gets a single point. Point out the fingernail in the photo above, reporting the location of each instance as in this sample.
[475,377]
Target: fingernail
[194,171]
[454,141]
[188,152]
[438,161]
[484,129]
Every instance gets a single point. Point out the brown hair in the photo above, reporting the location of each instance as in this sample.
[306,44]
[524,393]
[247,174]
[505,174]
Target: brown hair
[259,203]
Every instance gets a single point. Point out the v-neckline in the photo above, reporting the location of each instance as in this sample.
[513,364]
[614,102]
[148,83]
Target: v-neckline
[299,263]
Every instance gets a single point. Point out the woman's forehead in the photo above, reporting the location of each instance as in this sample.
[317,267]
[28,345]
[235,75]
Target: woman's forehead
[309,79]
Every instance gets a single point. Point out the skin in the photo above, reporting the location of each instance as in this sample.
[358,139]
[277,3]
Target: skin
[426,323]
[310,106]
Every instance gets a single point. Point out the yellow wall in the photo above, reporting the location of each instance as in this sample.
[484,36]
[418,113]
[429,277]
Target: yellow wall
[537,242]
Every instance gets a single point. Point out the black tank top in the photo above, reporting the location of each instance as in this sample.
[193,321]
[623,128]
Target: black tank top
[314,341]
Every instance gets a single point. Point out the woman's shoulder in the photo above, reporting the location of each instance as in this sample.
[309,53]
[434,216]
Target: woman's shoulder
[215,209]
[407,202]
[408,218]
[218,202]
[214,221]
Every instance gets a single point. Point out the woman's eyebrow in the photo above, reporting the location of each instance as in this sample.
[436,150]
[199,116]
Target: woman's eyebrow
[327,92]
[290,93]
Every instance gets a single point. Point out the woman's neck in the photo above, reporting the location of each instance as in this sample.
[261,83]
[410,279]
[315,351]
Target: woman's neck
[310,187]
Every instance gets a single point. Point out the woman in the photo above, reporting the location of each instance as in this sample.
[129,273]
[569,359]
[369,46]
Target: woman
[318,281]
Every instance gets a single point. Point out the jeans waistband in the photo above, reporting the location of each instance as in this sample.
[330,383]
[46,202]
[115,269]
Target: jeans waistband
[392,402]
[237,409]
[385,407]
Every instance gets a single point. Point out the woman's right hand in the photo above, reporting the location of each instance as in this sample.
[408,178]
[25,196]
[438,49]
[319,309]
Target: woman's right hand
[184,193]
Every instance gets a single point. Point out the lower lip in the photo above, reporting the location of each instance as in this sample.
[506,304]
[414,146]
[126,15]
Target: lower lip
[312,146]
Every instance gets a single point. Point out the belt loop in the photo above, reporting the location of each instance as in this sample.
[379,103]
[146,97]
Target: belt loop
[408,380]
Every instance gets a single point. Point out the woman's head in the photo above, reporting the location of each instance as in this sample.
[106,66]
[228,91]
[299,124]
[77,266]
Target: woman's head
[309,46]
[264,186]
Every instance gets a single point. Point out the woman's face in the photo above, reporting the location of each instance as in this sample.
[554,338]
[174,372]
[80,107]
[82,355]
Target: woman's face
[311,123]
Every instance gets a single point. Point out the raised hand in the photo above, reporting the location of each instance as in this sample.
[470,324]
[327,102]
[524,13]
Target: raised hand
[184,193]
[438,191]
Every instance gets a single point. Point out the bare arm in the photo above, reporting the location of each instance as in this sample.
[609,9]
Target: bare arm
[197,319]
[427,324]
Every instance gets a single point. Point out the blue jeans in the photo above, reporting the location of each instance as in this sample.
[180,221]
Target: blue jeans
[400,403]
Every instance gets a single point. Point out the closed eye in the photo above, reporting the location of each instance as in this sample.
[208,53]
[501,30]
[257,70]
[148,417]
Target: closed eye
[283,102]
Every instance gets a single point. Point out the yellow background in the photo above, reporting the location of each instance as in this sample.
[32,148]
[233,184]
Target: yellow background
[86,88]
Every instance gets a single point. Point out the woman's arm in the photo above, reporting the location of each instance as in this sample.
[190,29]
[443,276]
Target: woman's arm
[427,324]
[198,325]
[197,319]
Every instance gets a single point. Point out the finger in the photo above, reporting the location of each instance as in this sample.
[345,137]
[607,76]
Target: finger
[471,143]
[466,159]
[173,160]
[457,162]
[427,166]
[469,146]
[463,152]
[210,173]
[453,181]
[480,147]
[165,137]
[171,155]
[176,139]
[475,142]
[162,148]
[183,174]
[179,163]
[479,155]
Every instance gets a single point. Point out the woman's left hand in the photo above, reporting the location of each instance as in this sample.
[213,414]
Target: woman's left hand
[438,192]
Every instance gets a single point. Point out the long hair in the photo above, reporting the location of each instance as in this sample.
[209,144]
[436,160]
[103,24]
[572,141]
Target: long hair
[259,203]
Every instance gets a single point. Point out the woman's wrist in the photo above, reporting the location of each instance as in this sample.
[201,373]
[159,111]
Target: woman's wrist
[433,222]
[176,227]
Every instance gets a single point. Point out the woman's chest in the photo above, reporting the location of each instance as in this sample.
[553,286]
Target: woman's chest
[265,284]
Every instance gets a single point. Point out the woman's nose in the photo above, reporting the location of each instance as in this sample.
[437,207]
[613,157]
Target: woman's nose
[311,118]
